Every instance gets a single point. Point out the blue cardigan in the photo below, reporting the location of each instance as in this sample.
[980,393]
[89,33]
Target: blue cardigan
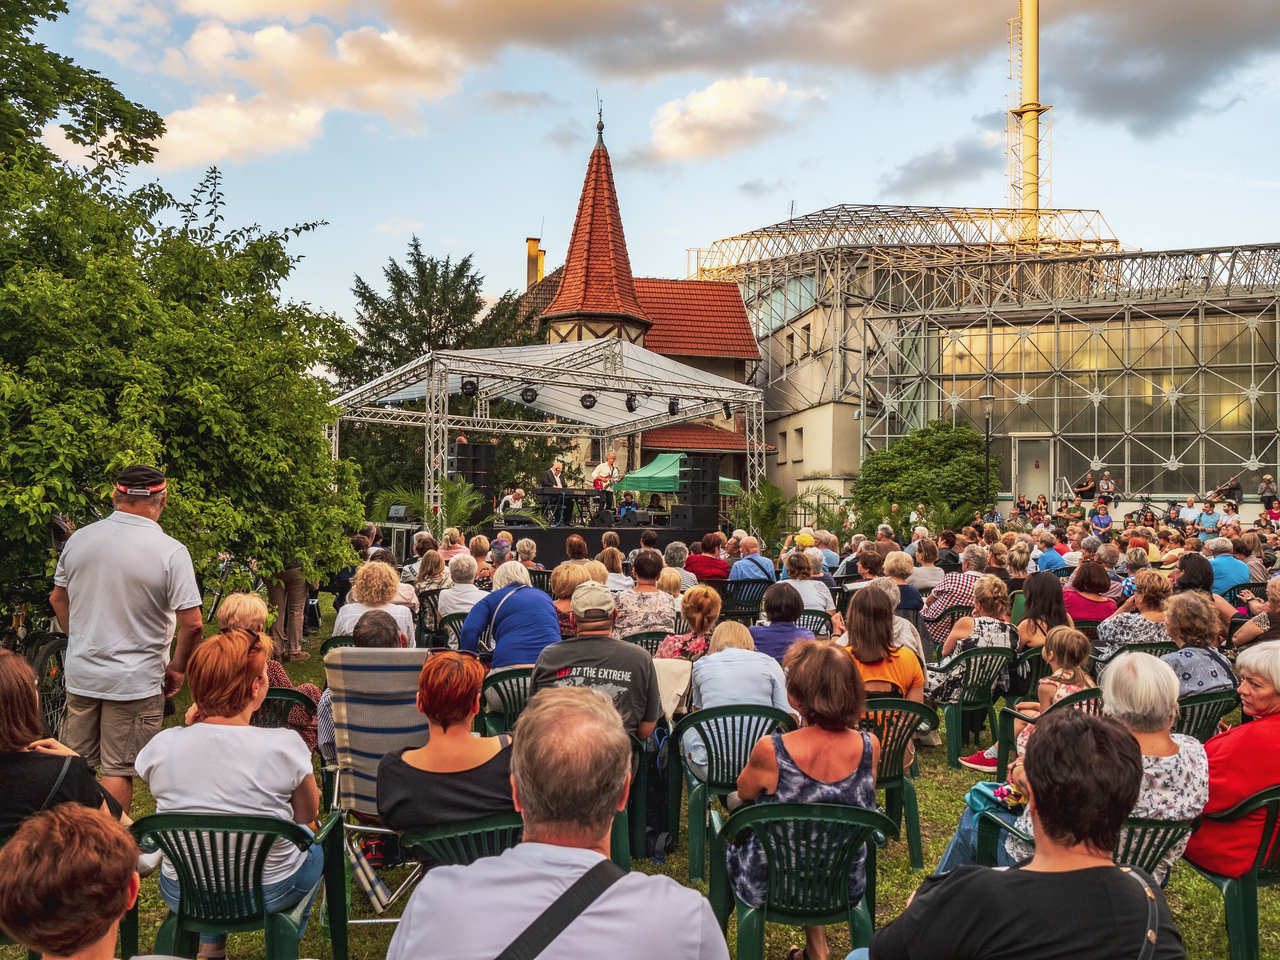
[525,624]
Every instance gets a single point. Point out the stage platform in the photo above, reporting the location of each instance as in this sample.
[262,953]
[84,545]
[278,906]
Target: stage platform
[550,540]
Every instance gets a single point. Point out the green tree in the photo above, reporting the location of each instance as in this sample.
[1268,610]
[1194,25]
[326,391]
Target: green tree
[942,465]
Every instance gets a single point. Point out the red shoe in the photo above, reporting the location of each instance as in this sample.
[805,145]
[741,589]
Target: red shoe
[979,761]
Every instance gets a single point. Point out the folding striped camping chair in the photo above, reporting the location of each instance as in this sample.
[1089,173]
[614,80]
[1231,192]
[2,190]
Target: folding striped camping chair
[374,692]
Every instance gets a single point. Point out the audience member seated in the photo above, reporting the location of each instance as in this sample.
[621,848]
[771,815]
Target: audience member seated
[1265,622]
[521,620]
[1050,559]
[677,555]
[38,772]
[526,552]
[670,581]
[592,658]
[374,588]
[989,626]
[701,609]
[70,875]
[782,607]
[463,594]
[751,564]
[432,574]
[732,672]
[648,541]
[1140,619]
[954,590]
[1194,573]
[1070,900]
[1249,550]
[1066,654]
[499,553]
[898,567]
[1018,561]
[884,664]
[1242,761]
[825,761]
[1228,571]
[452,544]
[405,592]
[566,578]
[926,575]
[947,547]
[707,565]
[575,549]
[454,776]
[571,770]
[616,580]
[904,631]
[1044,609]
[479,547]
[997,562]
[376,628]
[422,542]
[222,765]
[813,593]
[870,564]
[1086,598]
[644,607]
[1194,626]
[817,569]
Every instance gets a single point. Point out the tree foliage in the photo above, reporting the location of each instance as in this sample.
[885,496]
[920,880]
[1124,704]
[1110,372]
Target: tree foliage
[942,465]
[136,328]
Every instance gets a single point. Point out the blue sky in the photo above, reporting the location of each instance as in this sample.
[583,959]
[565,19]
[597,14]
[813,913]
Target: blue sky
[470,122]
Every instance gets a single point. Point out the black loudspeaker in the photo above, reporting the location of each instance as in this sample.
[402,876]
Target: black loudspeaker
[643,518]
[699,519]
[699,481]
[473,462]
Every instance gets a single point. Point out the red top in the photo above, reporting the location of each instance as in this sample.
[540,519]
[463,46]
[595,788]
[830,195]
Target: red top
[1082,608]
[1242,761]
[706,567]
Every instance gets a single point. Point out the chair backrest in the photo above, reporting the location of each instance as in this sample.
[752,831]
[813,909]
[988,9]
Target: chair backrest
[375,711]
[1018,606]
[1144,843]
[949,566]
[817,622]
[337,640]
[1090,629]
[1231,595]
[718,584]
[950,615]
[218,860]
[895,722]
[279,703]
[1267,863]
[1158,649]
[484,583]
[1087,701]
[809,851]
[1032,665]
[742,600]
[428,610]
[468,841]
[542,580]
[979,669]
[1198,714]
[451,627]
[649,639]
[729,733]
[1064,573]
[511,686]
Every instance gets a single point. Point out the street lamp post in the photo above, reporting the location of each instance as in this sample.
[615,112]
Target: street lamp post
[988,401]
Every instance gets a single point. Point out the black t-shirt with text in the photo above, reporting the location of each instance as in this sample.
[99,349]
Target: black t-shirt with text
[621,671]
[980,913]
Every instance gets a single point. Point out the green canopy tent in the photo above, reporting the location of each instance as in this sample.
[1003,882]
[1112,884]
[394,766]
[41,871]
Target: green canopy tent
[663,476]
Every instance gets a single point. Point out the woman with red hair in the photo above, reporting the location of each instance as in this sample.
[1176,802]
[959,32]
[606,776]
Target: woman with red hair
[453,776]
[222,765]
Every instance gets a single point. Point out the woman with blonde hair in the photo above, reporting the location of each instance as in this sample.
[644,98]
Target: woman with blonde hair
[1141,619]
[374,588]
[432,573]
[566,578]
[451,543]
[1017,562]
[988,626]
[611,558]
[479,547]
[701,609]
[526,550]
[669,581]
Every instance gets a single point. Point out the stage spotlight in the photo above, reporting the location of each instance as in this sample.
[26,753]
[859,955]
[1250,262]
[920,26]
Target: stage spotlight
[528,394]
[588,400]
[633,403]
[470,387]
[673,406]
[728,412]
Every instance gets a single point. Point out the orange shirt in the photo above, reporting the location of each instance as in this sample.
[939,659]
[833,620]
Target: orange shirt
[901,667]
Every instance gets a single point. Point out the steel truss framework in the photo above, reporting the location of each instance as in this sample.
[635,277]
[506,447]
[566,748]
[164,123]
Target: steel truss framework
[562,373]
[1160,366]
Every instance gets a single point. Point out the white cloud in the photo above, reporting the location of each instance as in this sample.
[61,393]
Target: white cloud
[724,117]
[240,11]
[399,225]
[224,128]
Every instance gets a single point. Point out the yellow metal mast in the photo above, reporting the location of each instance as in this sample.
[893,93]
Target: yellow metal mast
[1025,135]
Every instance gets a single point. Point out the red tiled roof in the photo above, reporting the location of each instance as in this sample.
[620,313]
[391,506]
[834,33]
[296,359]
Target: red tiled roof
[696,318]
[694,436]
[597,271]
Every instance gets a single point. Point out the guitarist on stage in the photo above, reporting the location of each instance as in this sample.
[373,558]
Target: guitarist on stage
[604,476]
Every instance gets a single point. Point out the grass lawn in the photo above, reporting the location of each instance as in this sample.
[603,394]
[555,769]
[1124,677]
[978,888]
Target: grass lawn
[1196,905]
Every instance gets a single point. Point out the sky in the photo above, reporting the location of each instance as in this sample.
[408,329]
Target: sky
[469,122]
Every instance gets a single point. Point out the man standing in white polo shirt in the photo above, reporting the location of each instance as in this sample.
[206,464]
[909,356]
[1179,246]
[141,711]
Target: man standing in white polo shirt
[121,586]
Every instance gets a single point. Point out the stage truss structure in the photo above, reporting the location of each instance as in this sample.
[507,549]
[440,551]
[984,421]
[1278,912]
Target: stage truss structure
[1161,366]
[613,372]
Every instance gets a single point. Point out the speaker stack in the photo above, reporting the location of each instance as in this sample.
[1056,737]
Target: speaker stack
[699,491]
[473,462]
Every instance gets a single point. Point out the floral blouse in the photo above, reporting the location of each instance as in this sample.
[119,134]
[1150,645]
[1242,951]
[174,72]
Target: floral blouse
[1200,670]
[1173,788]
[1123,629]
[690,646]
[641,612]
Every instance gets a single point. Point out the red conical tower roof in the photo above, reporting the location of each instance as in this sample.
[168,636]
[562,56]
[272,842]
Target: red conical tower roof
[597,271]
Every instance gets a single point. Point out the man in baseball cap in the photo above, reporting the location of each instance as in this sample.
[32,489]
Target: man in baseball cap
[622,671]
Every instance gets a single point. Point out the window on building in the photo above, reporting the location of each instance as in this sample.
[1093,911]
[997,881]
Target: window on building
[596,454]
[791,348]
[782,446]
[806,340]
[797,445]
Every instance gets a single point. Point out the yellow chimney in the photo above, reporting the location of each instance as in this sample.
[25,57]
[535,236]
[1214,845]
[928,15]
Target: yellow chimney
[534,258]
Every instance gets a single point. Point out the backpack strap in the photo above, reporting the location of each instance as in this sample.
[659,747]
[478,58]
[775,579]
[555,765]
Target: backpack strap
[62,775]
[1148,948]
[566,908]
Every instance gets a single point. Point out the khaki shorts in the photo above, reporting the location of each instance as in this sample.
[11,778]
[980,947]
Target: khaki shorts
[109,733]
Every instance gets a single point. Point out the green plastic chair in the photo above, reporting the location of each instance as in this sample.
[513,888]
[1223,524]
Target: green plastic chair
[817,622]
[277,706]
[1231,595]
[729,733]
[541,579]
[1031,664]
[895,721]
[1198,714]
[1142,843]
[337,640]
[466,842]
[1018,608]
[511,687]
[979,670]
[219,861]
[1090,629]
[1240,894]
[649,639]
[809,849]
[428,614]
[948,618]
[742,600]
[451,627]
[1089,701]
[1099,664]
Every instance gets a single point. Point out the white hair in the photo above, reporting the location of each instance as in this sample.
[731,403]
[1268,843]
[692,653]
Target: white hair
[921,532]
[509,573]
[1218,546]
[1141,691]
[886,586]
[740,535]
[1262,659]
[816,560]
[975,557]
[462,568]
[884,530]
[526,549]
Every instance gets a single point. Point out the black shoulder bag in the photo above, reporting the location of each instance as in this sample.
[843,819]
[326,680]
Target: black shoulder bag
[566,908]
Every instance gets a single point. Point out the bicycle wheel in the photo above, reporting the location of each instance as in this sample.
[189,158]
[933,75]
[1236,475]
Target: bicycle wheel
[48,666]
